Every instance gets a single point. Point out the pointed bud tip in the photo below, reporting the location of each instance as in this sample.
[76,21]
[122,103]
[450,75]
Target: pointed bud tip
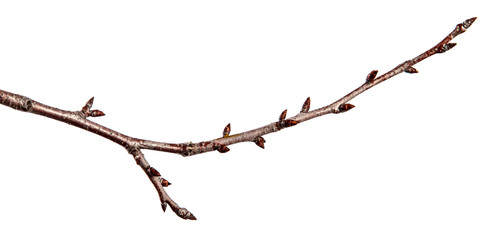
[259,141]
[164,206]
[371,76]
[283,115]
[96,113]
[411,70]
[346,107]
[470,21]
[185,214]
[306,105]
[227,130]
[90,101]
[165,183]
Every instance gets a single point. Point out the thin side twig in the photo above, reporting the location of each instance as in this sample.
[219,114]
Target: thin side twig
[135,145]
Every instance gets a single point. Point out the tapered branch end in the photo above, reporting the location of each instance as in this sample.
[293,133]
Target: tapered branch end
[462,27]
[468,22]
[185,214]
[306,105]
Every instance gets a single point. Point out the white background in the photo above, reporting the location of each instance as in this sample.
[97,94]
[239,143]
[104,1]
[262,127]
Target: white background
[417,158]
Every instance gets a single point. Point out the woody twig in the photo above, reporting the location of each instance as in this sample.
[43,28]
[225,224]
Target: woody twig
[135,145]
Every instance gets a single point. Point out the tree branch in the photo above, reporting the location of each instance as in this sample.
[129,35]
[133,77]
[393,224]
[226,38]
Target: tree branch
[135,145]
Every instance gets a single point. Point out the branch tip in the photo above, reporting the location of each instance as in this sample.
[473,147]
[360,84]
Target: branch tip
[371,76]
[185,214]
[164,206]
[227,130]
[468,22]
[306,106]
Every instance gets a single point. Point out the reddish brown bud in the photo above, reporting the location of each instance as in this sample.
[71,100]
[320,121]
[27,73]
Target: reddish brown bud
[154,172]
[446,47]
[468,22]
[164,206]
[88,105]
[227,130]
[346,107]
[86,108]
[96,113]
[289,123]
[411,70]
[165,183]
[372,75]
[282,115]
[260,142]
[306,106]
[222,149]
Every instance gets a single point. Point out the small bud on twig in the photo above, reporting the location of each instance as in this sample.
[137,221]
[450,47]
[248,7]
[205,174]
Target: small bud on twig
[306,106]
[282,116]
[96,113]
[185,214]
[260,142]
[372,75]
[154,172]
[282,122]
[222,149]
[227,130]
[411,70]
[165,183]
[88,113]
[346,107]
[446,47]
[88,105]
[164,206]
[468,22]
[289,123]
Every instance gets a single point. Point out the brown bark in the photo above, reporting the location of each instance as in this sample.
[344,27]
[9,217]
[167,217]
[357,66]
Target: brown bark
[135,145]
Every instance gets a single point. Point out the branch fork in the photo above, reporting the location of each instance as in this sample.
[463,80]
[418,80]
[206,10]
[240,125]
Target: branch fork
[135,145]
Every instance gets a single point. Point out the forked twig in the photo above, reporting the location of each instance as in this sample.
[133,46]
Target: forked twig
[135,145]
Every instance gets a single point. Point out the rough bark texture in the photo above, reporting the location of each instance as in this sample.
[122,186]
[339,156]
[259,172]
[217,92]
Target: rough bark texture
[135,145]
